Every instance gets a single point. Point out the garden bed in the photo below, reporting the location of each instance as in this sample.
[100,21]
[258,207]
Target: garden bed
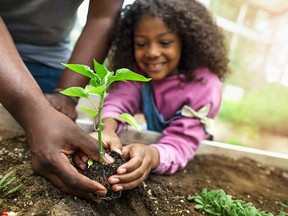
[242,177]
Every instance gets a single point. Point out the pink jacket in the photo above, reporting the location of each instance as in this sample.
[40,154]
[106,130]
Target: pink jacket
[182,137]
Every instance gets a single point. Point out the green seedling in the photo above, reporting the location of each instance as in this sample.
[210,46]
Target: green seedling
[100,80]
[6,184]
[284,206]
[217,202]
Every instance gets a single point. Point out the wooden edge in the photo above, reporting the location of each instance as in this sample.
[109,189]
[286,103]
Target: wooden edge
[210,147]
[129,135]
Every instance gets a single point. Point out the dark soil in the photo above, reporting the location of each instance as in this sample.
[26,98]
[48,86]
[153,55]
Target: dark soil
[160,195]
[100,172]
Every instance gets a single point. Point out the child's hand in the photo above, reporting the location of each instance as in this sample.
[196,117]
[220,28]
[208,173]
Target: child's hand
[143,158]
[110,140]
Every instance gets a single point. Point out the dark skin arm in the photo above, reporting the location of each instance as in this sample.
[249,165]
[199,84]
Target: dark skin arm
[93,43]
[51,135]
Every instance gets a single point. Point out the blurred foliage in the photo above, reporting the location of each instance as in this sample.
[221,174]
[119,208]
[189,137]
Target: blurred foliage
[246,65]
[231,8]
[264,109]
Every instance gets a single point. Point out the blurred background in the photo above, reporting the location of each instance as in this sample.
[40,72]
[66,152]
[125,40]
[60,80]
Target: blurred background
[255,96]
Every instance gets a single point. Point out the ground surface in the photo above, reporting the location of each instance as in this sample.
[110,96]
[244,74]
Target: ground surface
[160,195]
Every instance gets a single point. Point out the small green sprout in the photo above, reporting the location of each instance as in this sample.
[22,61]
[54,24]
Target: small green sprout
[284,206]
[100,80]
[217,202]
[89,162]
[6,183]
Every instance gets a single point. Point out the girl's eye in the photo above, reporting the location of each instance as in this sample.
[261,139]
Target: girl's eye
[139,44]
[165,43]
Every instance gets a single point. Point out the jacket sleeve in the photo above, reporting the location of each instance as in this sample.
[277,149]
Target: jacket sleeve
[183,136]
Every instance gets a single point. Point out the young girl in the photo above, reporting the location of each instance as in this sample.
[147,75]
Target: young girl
[178,45]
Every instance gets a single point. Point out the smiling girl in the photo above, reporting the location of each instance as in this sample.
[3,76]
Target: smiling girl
[178,45]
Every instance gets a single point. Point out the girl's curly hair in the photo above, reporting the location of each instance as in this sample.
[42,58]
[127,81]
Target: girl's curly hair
[202,40]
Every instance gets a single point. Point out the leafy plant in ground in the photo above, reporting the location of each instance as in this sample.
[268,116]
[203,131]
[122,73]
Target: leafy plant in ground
[100,80]
[217,202]
[6,184]
[284,206]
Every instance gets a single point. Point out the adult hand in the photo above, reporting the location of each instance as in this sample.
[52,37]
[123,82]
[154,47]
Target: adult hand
[63,104]
[54,137]
[143,158]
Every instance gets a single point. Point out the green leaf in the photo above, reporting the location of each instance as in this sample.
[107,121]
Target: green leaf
[282,204]
[125,74]
[7,184]
[100,69]
[107,78]
[91,112]
[217,202]
[198,206]
[81,69]
[130,120]
[75,92]
[95,90]
[7,175]
[199,200]
[210,210]
[90,162]
[13,190]
[96,81]
[190,198]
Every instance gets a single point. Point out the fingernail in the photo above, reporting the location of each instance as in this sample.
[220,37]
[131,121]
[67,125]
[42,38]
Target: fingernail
[100,192]
[118,151]
[97,200]
[108,158]
[121,170]
[84,158]
[118,188]
[82,166]
[114,180]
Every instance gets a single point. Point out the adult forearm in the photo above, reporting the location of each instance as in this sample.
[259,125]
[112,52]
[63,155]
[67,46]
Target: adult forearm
[85,50]
[19,93]
[94,40]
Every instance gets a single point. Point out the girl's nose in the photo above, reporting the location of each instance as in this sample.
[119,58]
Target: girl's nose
[152,51]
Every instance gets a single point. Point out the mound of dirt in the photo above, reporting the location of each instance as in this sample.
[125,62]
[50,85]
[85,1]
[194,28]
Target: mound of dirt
[243,178]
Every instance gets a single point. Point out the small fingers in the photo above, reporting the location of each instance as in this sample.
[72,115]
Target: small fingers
[133,164]
[127,177]
[110,142]
[129,181]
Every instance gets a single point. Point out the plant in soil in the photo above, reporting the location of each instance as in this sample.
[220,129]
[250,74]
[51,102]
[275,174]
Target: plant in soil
[8,186]
[100,81]
[217,202]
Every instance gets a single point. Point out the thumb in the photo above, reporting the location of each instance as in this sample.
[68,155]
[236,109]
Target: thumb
[85,143]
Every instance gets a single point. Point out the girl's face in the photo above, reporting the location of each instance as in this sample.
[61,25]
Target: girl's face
[157,50]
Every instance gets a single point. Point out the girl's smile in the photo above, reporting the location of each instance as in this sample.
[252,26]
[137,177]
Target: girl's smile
[155,67]
[157,50]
